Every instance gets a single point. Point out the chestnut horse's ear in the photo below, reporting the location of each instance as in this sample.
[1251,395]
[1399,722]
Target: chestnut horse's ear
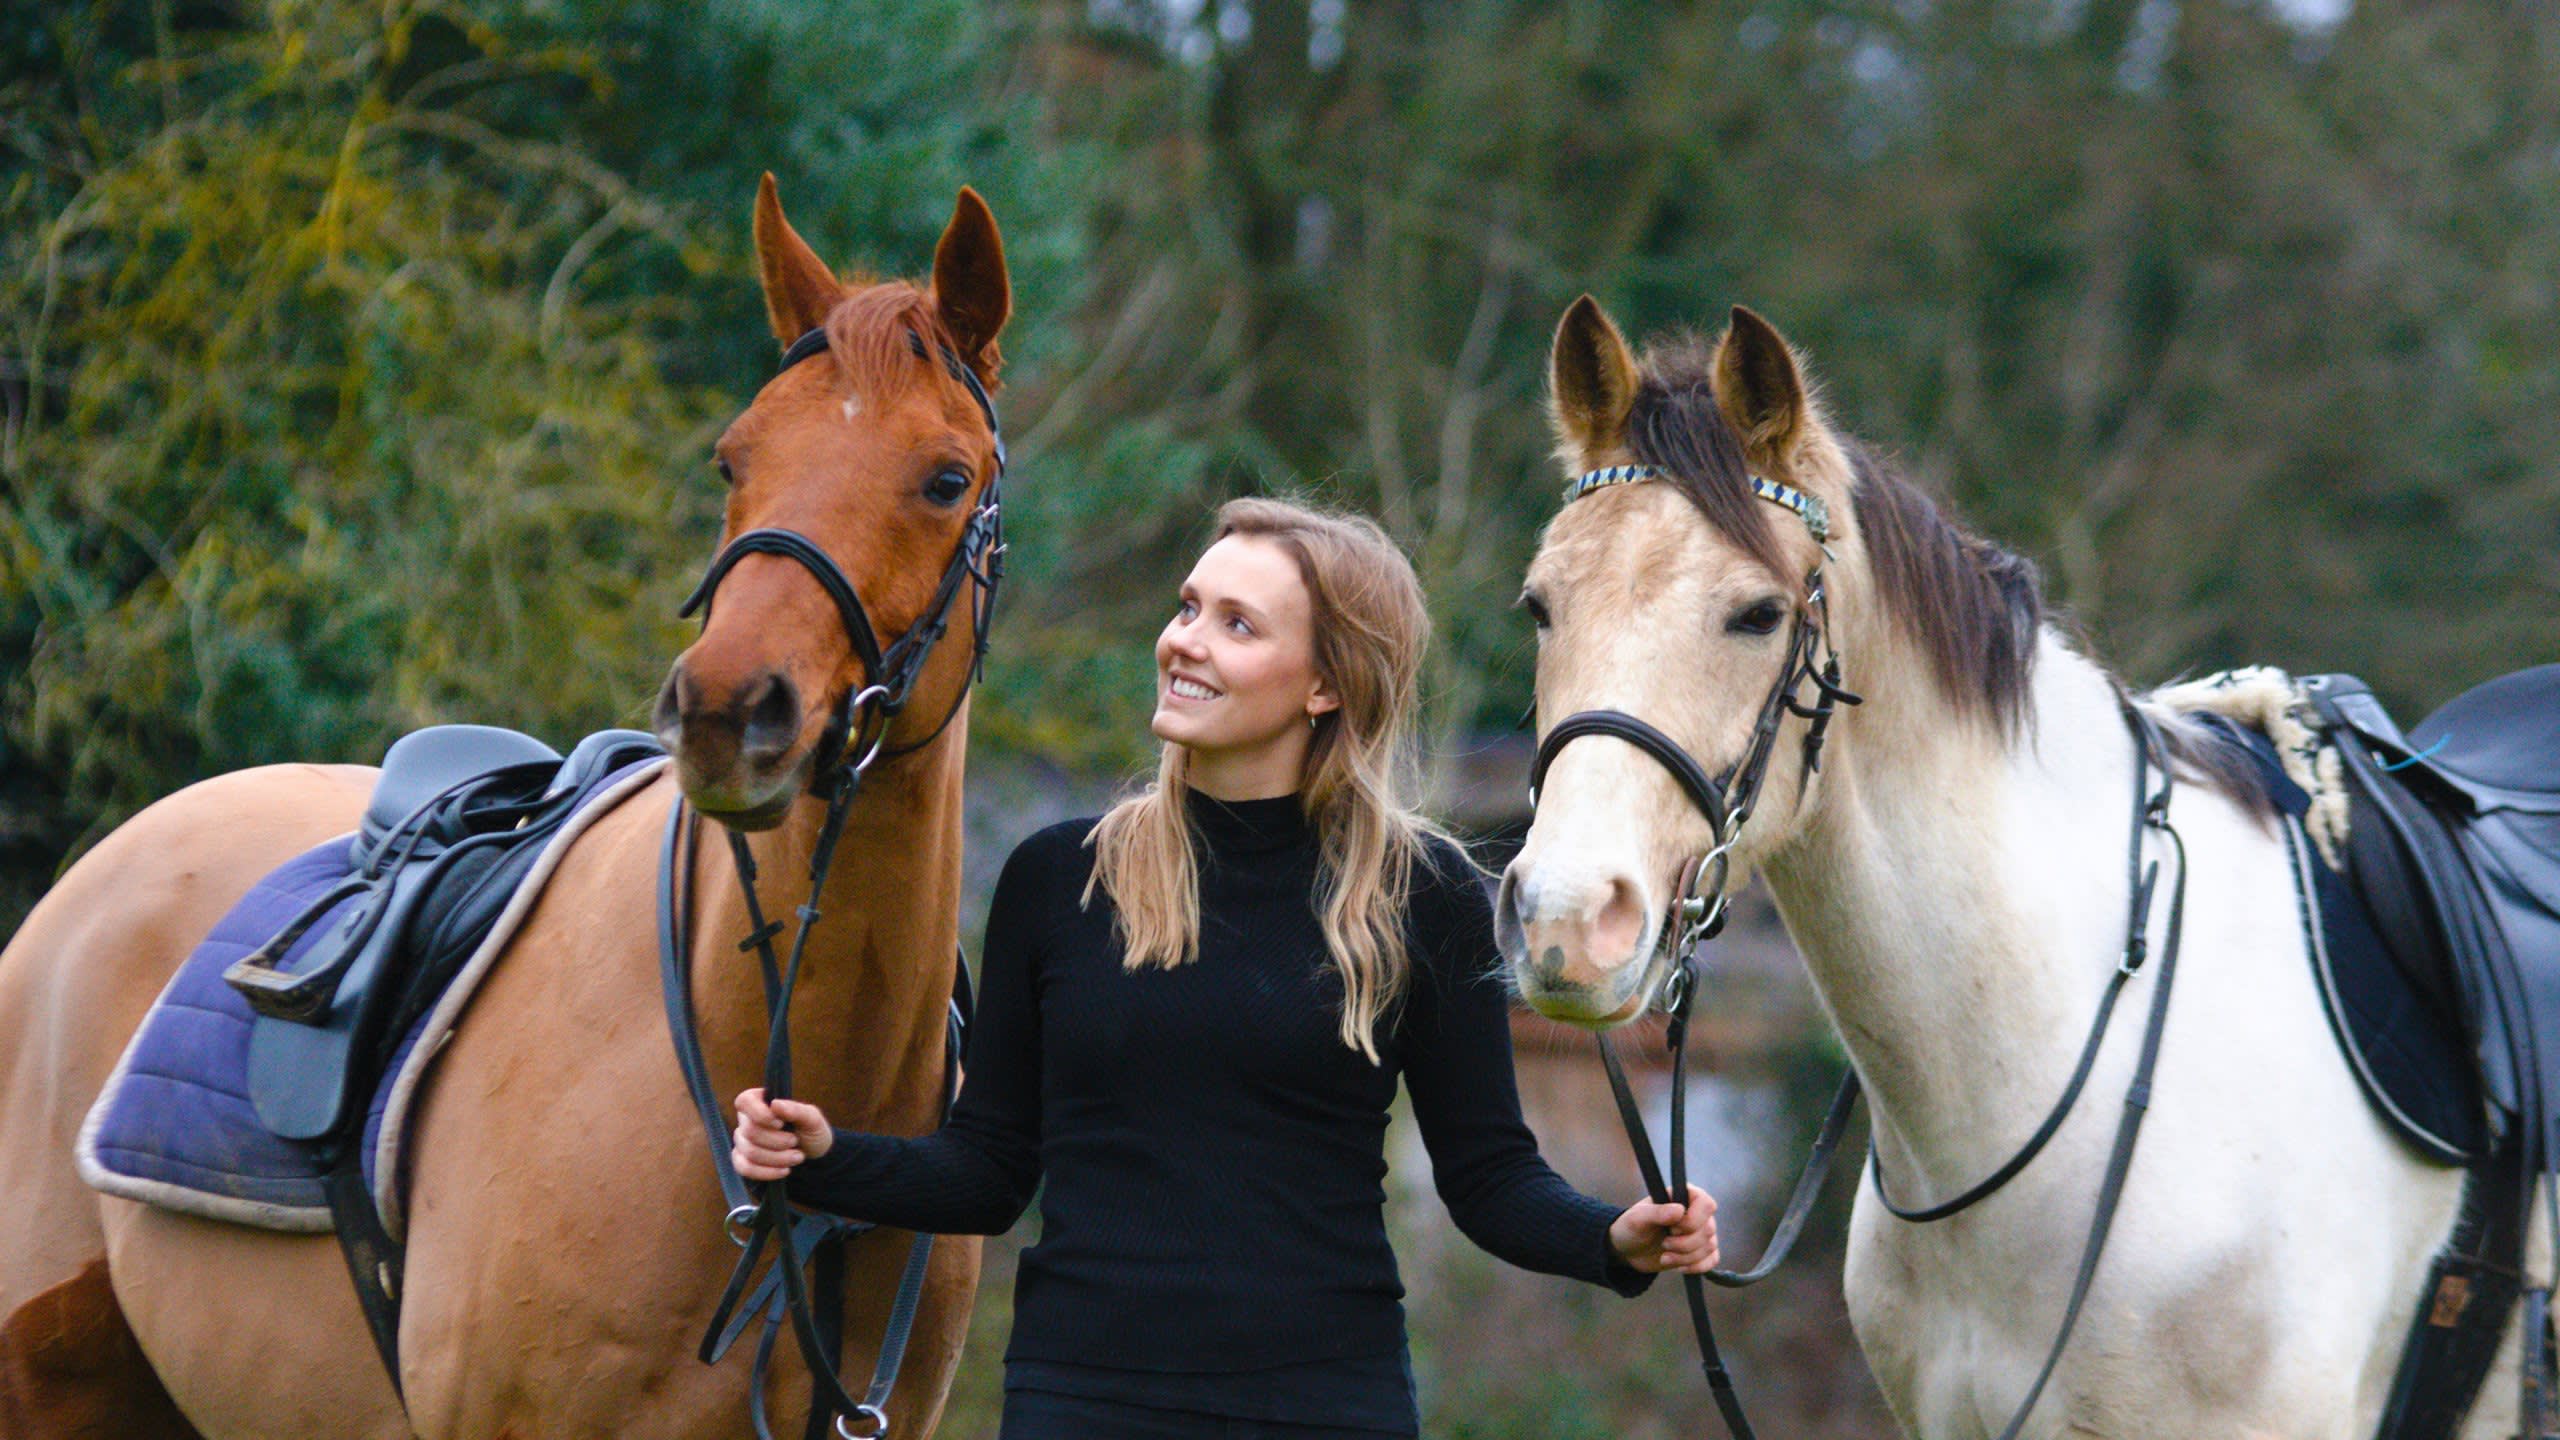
[1591,383]
[969,283]
[799,289]
[1758,387]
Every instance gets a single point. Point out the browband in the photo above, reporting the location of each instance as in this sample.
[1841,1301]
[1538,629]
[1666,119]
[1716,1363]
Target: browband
[1809,508]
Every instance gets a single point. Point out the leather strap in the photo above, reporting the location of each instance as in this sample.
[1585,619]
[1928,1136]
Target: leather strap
[792,545]
[1704,791]
[2150,813]
[1790,1225]
[800,1240]
[855,740]
[375,1261]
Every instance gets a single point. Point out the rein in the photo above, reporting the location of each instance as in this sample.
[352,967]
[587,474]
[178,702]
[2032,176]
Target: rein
[1698,914]
[805,1283]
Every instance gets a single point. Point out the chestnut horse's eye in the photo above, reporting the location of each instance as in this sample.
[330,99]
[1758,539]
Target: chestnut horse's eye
[726,477]
[946,487]
[1760,617]
[1536,607]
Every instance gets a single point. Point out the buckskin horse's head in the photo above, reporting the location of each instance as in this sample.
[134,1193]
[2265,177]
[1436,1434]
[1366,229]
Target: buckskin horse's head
[1672,590]
[875,450]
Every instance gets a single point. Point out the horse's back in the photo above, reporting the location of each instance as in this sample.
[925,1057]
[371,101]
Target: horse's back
[77,978]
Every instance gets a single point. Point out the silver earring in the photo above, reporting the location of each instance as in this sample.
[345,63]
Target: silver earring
[1311,722]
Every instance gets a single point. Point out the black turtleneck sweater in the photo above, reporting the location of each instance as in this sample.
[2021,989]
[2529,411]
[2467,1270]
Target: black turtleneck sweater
[1212,1230]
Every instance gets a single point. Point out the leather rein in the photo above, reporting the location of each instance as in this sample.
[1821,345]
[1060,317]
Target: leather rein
[1698,911]
[805,1283]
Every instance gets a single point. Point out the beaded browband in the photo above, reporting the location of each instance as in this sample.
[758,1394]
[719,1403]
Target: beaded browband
[1809,508]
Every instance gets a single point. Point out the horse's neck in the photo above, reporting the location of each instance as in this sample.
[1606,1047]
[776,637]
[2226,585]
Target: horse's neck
[868,1013]
[1959,899]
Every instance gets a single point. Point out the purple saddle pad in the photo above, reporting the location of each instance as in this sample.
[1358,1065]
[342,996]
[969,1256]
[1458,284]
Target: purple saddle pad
[175,1124]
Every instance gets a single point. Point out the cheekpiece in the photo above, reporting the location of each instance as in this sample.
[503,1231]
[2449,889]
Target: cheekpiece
[1808,508]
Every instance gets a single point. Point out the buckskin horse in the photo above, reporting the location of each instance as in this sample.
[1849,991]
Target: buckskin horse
[1951,859]
[565,1244]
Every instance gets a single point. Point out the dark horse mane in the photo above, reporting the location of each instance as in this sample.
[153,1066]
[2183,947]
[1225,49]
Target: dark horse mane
[1974,609]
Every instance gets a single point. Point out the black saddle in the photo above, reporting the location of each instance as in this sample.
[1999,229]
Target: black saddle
[2454,841]
[459,815]
[2453,846]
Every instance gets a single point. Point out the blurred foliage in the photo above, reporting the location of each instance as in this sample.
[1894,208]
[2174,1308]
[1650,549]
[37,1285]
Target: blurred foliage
[358,361]
[362,360]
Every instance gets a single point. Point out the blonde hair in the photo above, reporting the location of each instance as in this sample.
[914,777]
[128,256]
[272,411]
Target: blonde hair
[1371,629]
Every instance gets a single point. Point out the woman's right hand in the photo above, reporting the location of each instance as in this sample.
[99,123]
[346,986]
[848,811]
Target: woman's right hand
[774,1136]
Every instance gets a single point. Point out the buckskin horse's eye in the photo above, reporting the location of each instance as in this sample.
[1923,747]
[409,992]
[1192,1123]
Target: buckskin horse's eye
[1536,607]
[1757,618]
[946,487]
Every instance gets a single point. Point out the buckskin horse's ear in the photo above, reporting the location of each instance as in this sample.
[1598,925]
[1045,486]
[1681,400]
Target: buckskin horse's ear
[799,289]
[1758,387]
[1591,378]
[969,284]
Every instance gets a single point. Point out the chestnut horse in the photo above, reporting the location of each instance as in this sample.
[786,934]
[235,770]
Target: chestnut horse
[1955,873]
[565,1244]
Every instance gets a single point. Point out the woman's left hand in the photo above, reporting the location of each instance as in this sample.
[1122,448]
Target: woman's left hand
[1653,1238]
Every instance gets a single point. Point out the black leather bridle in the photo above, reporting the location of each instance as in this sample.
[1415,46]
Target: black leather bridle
[805,1283]
[1726,799]
[1698,913]
[860,725]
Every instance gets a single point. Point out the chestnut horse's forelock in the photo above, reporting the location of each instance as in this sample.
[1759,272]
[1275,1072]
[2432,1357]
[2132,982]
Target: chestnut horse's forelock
[868,334]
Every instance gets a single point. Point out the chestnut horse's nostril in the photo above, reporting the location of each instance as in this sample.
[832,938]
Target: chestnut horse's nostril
[667,718]
[772,728]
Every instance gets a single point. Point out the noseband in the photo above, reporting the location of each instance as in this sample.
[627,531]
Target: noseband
[805,1283]
[856,732]
[1727,799]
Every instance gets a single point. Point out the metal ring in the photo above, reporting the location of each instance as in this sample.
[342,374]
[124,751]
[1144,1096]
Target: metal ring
[1675,988]
[1696,933]
[878,1417]
[868,695]
[740,1223]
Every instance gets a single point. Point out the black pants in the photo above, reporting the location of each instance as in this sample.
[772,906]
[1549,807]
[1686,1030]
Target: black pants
[1040,1415]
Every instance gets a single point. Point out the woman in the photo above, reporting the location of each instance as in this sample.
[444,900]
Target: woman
[1192,1015]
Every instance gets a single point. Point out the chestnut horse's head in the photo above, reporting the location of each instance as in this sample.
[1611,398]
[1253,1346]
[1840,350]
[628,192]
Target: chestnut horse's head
[874,447]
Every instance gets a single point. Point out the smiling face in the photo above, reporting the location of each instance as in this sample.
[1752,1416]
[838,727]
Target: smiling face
[1236,676]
